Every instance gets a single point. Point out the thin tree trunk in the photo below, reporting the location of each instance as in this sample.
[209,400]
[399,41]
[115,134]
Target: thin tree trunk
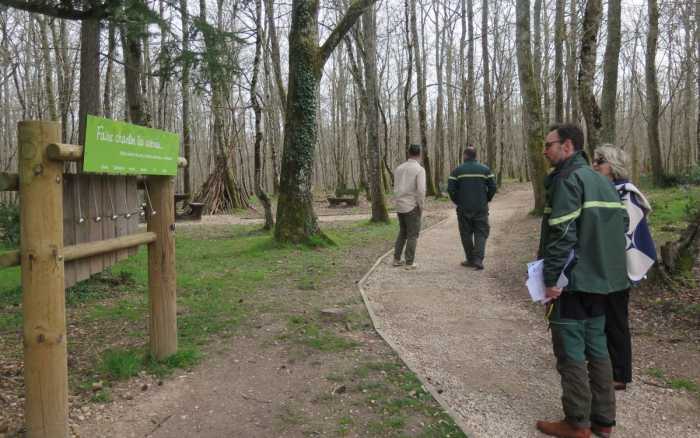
[610,63]
[572,95]
[422,103]
[409,76]
[369,27]
[185,83]
[275,52]
[652,89]
[488,105]
[48,68]
[440,103]
[559,36]
[109,73]
[259,192]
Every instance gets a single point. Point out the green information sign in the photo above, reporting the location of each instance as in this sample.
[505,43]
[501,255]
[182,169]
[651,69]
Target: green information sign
[126,149]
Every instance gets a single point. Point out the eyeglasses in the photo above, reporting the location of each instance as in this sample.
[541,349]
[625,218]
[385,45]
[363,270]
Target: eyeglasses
[600,161]
[549,144]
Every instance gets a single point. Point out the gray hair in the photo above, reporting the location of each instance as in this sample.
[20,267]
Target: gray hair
[616,157]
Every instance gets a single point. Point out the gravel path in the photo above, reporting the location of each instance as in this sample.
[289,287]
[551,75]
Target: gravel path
[482,347]
[225,219]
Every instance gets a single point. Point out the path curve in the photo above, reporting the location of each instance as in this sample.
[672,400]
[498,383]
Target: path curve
[481,347]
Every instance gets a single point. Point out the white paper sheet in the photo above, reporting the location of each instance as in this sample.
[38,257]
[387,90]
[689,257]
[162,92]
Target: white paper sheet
[535,279]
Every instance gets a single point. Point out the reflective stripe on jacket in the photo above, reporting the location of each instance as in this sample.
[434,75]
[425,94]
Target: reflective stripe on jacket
[471,186]
[584,214]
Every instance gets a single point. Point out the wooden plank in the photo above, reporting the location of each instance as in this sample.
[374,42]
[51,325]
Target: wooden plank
[132,197]
[108,216]
[95,221]
[69,219]
[161,269]
[122,223]
[82,230]
[43,297]
[92,249]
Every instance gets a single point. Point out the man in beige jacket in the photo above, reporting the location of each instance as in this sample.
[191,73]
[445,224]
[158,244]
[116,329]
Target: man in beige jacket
[409,196]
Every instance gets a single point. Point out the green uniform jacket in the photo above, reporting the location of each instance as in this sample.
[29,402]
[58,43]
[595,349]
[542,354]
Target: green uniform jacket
[583,213]
[471,186]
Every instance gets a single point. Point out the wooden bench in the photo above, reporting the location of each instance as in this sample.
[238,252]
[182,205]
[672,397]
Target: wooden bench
[349,197]
[191,211]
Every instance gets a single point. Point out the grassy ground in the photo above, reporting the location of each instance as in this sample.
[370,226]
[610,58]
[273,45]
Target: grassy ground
[229,278]
[672,209]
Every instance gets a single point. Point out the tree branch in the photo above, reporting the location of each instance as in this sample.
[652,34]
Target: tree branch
[356,9]
[64,9]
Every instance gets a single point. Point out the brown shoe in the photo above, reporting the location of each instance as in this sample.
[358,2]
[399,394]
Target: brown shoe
[562,429]
[601,431]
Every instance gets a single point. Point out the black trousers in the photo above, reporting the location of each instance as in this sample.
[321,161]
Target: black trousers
[473,230]
[617,330]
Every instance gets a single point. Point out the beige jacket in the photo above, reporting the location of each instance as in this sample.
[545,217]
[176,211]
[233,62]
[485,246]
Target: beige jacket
[409,186]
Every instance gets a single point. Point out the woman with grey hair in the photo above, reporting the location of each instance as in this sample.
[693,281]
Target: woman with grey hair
[613,162]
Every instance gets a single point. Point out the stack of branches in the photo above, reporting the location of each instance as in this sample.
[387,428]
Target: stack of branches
[220,193]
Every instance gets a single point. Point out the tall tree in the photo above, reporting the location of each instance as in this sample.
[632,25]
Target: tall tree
[185,83]
[559,36]
[532,110]
[586,74]
[422,101]
[652,88]
[89,73]
[369,27]
[296,221]
[610,63]
[488,105]
[440,102]
[257,109]
[571,64]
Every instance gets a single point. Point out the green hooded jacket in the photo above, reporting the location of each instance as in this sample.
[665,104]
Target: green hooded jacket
[583,213]
[471,186]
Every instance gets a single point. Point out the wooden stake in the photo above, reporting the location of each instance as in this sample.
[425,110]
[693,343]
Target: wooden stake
[43,299]
[161,266]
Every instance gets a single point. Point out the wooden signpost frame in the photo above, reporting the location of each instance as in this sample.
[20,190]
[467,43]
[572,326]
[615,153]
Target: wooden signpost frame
[42,256]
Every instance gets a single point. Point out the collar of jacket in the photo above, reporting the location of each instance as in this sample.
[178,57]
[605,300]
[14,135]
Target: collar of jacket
[469,159]
[578,159]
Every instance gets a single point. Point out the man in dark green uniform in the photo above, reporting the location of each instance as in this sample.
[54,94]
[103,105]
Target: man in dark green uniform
[583,237]
[471,187]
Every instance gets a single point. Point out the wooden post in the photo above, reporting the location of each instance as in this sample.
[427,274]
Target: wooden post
[161,266]
[43,299]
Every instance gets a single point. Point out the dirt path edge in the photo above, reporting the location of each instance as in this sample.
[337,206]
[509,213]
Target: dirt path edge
[378,327]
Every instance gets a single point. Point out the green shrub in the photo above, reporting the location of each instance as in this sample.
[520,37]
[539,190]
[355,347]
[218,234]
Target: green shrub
[9,224]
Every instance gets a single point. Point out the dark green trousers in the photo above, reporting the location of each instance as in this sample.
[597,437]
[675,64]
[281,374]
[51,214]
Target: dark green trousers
[409,228]
[577,322]
[473,230]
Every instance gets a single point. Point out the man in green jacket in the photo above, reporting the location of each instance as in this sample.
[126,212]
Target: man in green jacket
[583,238]
[471,187]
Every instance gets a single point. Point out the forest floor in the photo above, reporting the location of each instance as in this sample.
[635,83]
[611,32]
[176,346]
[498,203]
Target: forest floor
[258,356]
[476,338]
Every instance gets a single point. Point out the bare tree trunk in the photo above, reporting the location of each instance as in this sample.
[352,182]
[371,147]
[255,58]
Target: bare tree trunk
[586,75]
[409,76]
[109,73]
[369,26]
[461,134]
[572,56]
[275,52]
[422,104]
[133,71]
[532,111]
[488,105]
[48,67]
[559,36]
[471,82]
[89,73]
[653,94]
[440,103]
[697,77]
[259,192]
[185,83]
[610,63]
